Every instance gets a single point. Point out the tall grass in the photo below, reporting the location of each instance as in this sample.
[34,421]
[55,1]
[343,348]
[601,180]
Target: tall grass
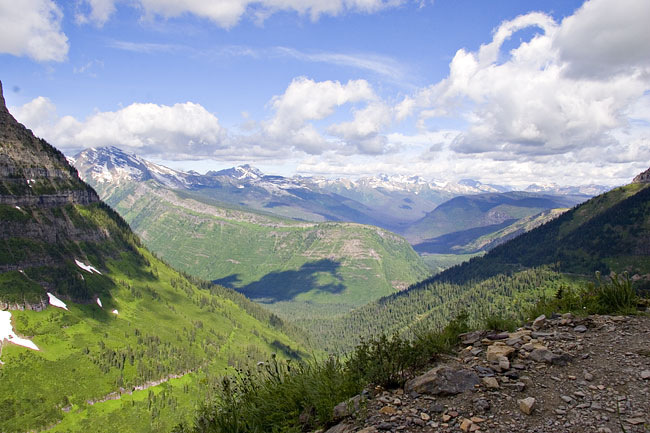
[610,295]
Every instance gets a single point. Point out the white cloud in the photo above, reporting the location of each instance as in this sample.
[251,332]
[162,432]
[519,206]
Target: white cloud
[305,101]
[364,131]
[538,99]
[228,13]
[605,38]
[377,64]
[32,28]
[100,12]
[179,131]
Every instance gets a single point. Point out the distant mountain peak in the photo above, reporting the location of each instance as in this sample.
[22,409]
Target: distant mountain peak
[642,177]
[240,172]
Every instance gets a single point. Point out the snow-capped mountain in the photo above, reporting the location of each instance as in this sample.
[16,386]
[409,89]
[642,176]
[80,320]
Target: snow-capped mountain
[389,201]
[553,188]
[113,165]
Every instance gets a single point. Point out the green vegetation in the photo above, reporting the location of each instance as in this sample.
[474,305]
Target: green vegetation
[612,295]
[166,327]
[439,262]
[296,269]
[288,397]
[431,303]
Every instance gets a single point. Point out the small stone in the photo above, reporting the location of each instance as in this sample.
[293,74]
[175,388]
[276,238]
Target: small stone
[386,426]
[481,404]
[494,352]
[539,323]
[645,374]
[418,422]
[580,328]
[490,382]
[446,418]
[635,421]
[341,428]
[477,419]
[566,398]
[504,364]
[589,377]
[388,410]
[425,416]
[526,405]
[453,413]
[465,424]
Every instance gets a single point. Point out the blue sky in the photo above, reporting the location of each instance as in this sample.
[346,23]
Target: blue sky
[500,91]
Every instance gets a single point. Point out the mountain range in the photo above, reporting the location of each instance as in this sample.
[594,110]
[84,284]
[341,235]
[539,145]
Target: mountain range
[296,268]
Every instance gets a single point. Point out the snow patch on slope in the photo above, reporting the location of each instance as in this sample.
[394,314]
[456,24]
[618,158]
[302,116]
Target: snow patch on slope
[7,333]
[87,268]
[56,302]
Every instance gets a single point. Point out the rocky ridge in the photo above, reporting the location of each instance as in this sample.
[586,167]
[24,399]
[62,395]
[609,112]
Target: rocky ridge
[642,177]
[562,374]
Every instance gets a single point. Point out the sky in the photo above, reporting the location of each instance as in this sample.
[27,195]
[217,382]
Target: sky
[508,92]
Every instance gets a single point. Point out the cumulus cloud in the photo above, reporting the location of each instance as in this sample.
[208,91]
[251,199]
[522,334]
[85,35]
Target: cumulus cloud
[541,98]
[604,38]
[364,132]
[305,101]
[228,13]
[179,131]
[100,12]
[32,28]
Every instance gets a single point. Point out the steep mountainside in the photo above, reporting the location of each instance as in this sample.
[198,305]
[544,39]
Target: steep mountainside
[488,212]
[296,268]
[481,239]
[96,334]
[485,210]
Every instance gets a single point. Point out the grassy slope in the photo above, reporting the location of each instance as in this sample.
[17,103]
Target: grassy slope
[165,323]
[297,268]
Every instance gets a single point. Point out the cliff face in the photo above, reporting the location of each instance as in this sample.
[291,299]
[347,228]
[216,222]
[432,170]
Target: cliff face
[48,219]
[643,177]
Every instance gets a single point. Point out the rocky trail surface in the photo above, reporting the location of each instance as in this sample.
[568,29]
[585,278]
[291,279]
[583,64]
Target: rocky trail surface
[562,374]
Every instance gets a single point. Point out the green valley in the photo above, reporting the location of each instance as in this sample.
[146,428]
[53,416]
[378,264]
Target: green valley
[297,269]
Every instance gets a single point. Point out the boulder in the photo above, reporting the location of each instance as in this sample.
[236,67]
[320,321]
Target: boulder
[496,352]
[444,381]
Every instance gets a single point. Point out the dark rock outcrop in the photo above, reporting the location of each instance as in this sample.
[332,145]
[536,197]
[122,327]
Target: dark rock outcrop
[642,177]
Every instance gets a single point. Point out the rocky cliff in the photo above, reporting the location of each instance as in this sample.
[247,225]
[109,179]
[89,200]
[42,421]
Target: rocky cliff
[643,177]
[49,218]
